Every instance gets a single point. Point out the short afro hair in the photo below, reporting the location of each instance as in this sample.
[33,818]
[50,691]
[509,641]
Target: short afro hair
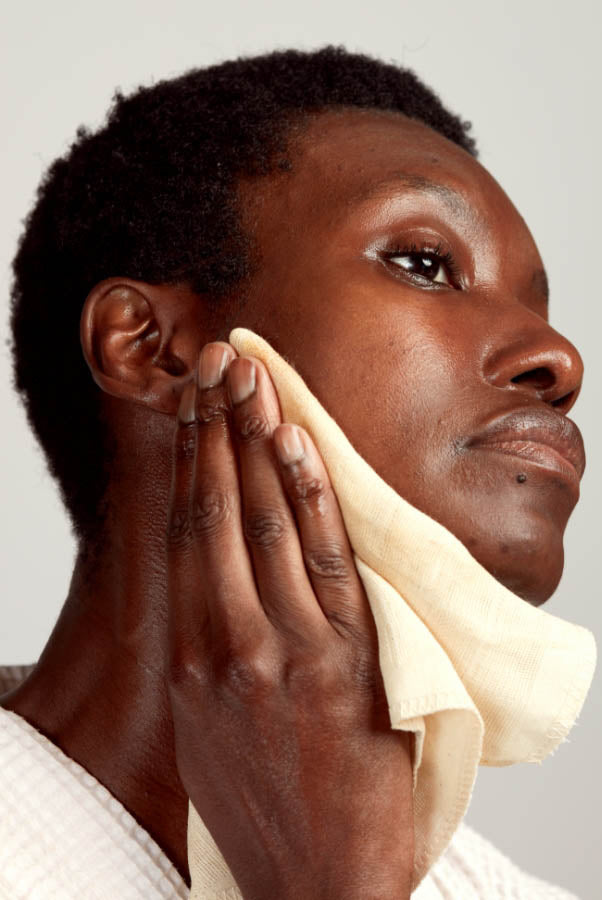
[152,195]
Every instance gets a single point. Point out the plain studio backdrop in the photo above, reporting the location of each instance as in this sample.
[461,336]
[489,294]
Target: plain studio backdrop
[528,76]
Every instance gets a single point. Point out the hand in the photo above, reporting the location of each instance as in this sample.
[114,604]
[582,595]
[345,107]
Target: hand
[283,739]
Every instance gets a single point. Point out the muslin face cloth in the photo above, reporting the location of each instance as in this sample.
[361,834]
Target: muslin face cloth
[477,673]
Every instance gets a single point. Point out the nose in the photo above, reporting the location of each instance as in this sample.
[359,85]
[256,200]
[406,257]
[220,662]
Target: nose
[538,361]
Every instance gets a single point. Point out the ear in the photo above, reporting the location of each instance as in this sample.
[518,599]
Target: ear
[141,341]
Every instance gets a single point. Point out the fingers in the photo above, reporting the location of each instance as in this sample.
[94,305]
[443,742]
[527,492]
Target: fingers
[255,534]
[302,558]
[327,553]
[232,601]
[268,524]
[211,587]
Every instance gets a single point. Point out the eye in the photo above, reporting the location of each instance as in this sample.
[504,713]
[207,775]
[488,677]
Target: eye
[425,264]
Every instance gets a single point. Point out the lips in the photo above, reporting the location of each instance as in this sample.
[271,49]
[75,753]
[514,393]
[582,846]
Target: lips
[541,435]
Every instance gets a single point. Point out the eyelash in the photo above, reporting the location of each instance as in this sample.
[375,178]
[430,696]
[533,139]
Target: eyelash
[447,259]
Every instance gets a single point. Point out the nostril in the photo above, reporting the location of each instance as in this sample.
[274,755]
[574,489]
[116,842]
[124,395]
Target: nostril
[564,403]
[540,379]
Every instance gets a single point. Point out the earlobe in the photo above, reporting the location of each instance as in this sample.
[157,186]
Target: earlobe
[132,343]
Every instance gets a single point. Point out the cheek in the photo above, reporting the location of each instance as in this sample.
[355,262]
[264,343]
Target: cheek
[389,365]
[408,395]
[397,394]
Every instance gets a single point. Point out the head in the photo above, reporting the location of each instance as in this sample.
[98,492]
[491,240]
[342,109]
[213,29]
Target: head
[332,204]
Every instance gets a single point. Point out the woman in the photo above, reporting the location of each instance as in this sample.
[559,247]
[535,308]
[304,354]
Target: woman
[304,196]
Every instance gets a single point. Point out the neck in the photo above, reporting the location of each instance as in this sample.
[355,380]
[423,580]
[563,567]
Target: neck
[98,690]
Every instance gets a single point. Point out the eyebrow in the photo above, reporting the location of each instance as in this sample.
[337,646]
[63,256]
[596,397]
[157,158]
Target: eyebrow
[453,200]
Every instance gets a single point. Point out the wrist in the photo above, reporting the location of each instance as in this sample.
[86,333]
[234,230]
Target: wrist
[369,885]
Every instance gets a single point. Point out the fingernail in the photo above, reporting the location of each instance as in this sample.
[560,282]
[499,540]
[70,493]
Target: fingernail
[288,443]
[212,365]
[241,378]
[187,407]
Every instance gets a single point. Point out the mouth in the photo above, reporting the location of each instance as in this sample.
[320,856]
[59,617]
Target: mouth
[542,455]
[538,436]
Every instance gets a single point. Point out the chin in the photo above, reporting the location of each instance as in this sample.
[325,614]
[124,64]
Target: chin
[531,569]
[534,591]
[517,536]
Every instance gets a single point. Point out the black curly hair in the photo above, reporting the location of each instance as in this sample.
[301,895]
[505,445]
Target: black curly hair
[152,195]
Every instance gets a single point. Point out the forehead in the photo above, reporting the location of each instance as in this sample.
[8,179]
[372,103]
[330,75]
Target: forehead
[343,158]
[358,141]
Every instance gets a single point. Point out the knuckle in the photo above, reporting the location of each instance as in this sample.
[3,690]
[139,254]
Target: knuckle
[264,528]
[178,529]
[185,445]
[246,671]
[366,677]
[210,510]
[253,428]
[329,563]
[211,412]
[313,673]
[364,671]
[186,669]
[306,489]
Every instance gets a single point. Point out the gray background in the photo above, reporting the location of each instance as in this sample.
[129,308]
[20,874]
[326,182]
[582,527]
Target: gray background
[528,75]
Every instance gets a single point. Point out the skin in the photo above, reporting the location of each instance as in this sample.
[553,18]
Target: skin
[277,699]
[409,370]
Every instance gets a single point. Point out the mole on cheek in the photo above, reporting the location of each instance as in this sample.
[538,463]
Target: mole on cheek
[521,478]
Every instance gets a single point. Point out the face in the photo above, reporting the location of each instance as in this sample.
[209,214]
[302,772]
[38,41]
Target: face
[400,281]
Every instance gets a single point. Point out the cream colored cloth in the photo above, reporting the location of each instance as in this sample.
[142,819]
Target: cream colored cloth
[478,674]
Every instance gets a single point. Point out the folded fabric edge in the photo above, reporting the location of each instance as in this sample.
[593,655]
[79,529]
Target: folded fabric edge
[441,835]
[570,705]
